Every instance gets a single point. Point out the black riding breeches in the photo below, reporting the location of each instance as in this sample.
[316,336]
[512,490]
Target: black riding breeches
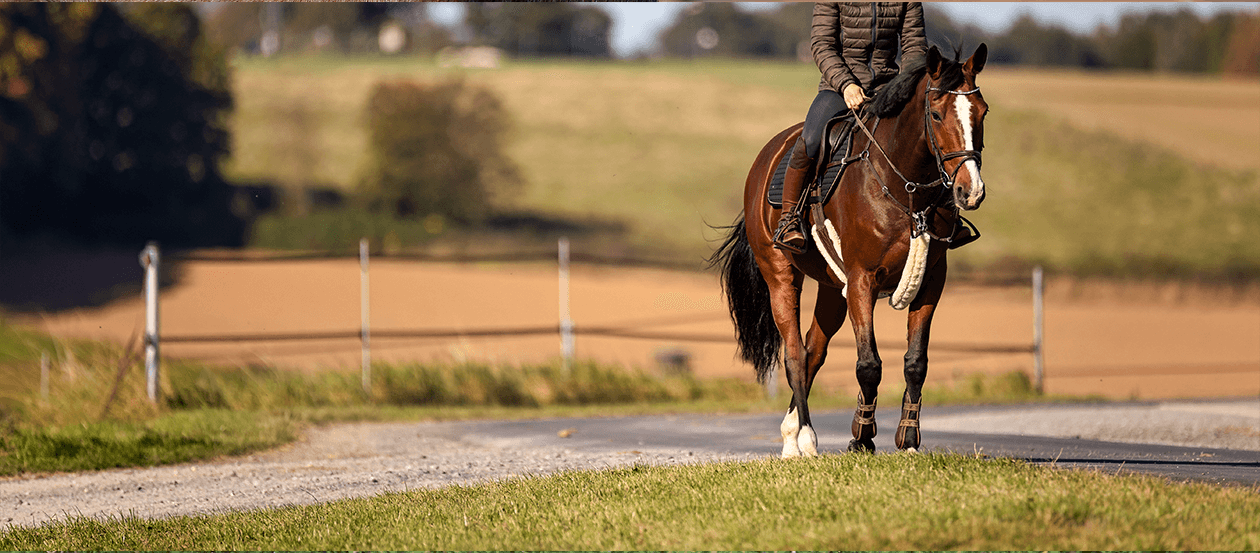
[826,106]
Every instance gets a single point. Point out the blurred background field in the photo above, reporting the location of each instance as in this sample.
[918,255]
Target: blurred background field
[662,149]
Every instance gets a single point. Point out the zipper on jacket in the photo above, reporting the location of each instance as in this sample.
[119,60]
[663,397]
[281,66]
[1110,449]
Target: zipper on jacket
[870,58]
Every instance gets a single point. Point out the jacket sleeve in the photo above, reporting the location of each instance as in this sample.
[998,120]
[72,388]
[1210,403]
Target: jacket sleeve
[824,42]
[913,33]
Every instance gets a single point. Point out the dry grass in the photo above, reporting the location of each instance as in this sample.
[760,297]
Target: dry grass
[1208,119]
[1114,174]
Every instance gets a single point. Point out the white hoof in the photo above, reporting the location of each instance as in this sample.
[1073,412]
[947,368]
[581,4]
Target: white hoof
[807,442]
[911,450]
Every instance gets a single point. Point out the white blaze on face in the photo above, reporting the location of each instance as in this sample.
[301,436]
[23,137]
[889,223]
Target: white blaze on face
[962,103]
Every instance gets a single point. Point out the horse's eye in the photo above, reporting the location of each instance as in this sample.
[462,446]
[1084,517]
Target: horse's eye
[936,116]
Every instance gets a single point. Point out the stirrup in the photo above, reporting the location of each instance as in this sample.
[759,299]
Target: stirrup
[788,221]
[972,234]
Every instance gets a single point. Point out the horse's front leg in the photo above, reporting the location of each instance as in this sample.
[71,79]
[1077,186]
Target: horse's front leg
[920,323]
[869,367]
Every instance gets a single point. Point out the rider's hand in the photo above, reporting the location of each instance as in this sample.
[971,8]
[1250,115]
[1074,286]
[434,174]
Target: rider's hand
[853,96]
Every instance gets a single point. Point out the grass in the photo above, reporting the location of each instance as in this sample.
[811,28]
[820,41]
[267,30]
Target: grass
[664,148]
[210,411]
[851,501]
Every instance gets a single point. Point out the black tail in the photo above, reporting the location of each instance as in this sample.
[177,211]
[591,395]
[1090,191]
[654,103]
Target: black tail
[748,298]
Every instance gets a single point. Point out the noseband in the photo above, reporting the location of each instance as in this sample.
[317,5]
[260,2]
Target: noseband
[946,181]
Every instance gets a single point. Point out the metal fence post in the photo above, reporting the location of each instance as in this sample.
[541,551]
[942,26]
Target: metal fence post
[149,260]
[1039,293]
[364,327]
[566,321]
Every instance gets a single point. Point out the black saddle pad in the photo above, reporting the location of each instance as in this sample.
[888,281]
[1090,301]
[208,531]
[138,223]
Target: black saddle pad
[835,149]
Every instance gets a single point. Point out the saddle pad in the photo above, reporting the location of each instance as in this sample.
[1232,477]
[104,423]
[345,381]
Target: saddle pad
[838,150]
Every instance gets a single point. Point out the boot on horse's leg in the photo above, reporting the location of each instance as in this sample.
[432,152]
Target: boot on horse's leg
[790,235]
[863,426]
[908,429]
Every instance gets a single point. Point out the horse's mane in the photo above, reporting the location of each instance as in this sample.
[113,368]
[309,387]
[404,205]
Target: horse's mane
[892,97]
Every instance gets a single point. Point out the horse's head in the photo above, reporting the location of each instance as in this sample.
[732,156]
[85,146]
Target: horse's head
[955,112]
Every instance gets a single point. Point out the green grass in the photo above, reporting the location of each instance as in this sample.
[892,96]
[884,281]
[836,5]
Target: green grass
[852,501]
[209,411]
[175,437]
[664,147]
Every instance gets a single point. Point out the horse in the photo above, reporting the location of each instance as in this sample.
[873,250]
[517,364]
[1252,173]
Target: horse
[884,231]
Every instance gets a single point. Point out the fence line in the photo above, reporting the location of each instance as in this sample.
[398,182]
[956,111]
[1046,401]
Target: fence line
[566,329]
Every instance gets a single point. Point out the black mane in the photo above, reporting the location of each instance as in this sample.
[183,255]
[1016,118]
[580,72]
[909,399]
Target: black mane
[892,97]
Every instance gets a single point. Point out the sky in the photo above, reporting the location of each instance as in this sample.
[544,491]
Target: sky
[635,25]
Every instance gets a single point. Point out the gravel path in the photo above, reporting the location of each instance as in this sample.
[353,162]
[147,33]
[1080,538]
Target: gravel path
[331,463]
[357,460]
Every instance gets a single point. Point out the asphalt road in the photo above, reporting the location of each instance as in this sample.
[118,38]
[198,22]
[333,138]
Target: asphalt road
[1213,441]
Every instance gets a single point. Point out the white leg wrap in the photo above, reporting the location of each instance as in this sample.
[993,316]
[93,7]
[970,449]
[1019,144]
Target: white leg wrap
[790,428]
[807,442]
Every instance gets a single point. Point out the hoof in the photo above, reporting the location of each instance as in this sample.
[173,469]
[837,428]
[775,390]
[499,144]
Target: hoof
[862,446]
[911,450]
[807,442]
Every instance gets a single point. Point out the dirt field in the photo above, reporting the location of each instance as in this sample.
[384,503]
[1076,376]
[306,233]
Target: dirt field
[1121,342]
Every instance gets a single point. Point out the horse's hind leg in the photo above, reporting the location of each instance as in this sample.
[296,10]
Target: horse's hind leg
[920,323]
[799,437]
[785,300]
[869,366]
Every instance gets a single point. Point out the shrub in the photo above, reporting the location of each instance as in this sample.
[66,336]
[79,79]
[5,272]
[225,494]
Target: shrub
[437,149]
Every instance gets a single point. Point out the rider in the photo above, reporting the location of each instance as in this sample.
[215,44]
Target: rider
[855,47]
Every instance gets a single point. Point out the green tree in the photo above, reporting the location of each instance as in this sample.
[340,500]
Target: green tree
[438,149]
[541,28]
[112,128]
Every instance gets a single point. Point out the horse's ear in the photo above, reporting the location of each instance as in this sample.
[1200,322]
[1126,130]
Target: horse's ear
[976,63]
[933,61]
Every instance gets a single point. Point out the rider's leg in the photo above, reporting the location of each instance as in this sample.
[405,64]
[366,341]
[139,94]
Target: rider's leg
[790,235]
[801,168]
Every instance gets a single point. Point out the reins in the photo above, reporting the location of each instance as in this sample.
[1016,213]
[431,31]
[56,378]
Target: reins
[945,182]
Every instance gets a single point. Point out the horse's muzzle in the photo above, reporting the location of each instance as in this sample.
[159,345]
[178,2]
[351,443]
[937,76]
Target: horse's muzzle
[965,200]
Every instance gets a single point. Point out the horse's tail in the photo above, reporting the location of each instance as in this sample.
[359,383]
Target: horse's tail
[748,299]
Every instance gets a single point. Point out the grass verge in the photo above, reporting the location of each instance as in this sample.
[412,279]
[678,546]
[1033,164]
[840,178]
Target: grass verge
[897,501]
[96,415]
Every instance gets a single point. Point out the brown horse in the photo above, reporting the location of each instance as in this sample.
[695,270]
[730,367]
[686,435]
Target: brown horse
[884,231]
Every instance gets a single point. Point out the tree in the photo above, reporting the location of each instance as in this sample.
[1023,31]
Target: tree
[724,29]
[111,128]
[437,149]
[541,28]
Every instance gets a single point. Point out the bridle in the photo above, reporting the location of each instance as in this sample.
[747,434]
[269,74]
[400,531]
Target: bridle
[946,180]
[941,158]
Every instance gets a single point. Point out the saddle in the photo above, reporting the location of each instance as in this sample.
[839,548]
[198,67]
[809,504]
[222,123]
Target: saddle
[832,160]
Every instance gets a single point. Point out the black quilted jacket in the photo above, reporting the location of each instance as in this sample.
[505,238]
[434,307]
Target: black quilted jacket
[858,41]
